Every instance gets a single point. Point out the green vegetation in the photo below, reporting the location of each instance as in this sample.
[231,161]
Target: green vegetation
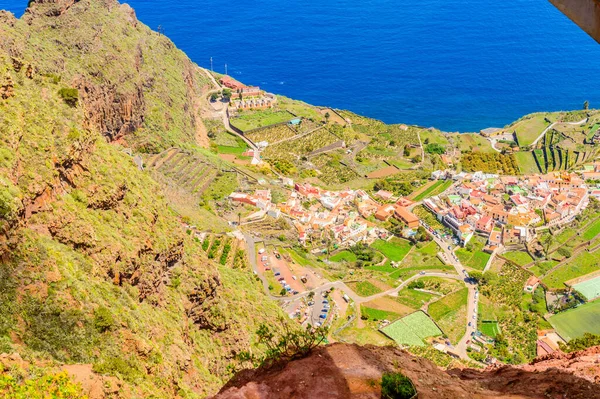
[590,289]
[472,255]
[577,344]
[364,288]
[435,189]
[249,120]
[489,328]
[579,265]
[69,95]
[38,384]
[526,162]
[505,164]
[574,323]
[411,330]
[377,314]
[396,386]
[519,257]
[394,249]
[412,298]
[343,256]
[530,127]
[450,313]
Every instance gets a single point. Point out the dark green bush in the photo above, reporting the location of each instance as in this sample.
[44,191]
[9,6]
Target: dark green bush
[69,95]
[103,319]
[396,386]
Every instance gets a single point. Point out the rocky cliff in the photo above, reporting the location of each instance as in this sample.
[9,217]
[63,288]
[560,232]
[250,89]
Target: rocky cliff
[95,267]
[350,371]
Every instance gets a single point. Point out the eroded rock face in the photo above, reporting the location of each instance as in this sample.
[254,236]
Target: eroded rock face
[203,305]
[49,8]
[351,372]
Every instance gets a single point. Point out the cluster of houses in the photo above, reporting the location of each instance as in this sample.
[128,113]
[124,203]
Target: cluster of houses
[342,214]
[507,209]
[247,97]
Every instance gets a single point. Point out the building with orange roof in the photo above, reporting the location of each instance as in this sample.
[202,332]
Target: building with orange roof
[406,216]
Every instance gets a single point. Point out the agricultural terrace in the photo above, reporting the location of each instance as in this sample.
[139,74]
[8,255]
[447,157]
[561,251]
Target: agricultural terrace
[472,142]
[521,258]
[413,298]
[291,150]
[433,137]
[385,308]
[343,256]
[272,134]
[333,172]
[472,256]
[575,322]
[412,330]
[394,249]
[450,313]
[364,288]
[527,163]
[590,289]
[419,258]
[530,127]
[578,266]
[249,120]
[299,108]
[438,187]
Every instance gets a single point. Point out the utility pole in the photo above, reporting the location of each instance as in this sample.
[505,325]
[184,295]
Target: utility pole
[160,30]
[211,64]
[225,69]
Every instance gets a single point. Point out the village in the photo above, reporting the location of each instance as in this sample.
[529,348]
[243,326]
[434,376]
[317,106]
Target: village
[503,209]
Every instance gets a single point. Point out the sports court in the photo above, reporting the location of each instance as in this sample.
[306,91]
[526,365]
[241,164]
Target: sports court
[589,288]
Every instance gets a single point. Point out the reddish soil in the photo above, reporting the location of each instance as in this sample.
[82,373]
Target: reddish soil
[353,372]
[385,172]
[282,265]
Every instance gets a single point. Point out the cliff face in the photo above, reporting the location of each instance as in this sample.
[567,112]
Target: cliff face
[95,267]
[350,371]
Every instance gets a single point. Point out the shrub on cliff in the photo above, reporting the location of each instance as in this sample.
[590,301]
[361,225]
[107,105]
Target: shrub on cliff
[69,95]
[396,386]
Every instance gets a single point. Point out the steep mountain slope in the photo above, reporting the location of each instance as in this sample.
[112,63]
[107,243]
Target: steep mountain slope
[350,371]
[95,266]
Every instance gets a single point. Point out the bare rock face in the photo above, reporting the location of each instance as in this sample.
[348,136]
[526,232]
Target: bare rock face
[49,8]
[352,372]
[204,300]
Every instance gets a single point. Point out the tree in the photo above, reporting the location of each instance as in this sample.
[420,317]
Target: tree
[213,97]
[407,150]
[396,386]
[227,93]
[586,105]
[435,149]
[327,116]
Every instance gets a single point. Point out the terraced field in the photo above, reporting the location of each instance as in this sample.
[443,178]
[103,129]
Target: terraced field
[293,149]
[224,250]
[188,171]
[272,134]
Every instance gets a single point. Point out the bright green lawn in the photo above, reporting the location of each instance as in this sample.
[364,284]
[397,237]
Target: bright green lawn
[376,314]
[575,322]
[490,328]
[395,249]
[475,259]
[592,232]
[411,330]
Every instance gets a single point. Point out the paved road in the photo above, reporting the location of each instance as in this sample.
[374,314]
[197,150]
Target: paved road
[554,124]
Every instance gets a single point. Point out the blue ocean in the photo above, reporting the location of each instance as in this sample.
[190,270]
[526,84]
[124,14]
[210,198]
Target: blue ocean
[457,65]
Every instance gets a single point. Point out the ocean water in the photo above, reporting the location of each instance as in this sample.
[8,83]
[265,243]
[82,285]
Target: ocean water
[459,65]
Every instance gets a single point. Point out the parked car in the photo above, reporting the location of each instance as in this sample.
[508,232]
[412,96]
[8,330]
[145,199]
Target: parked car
[280,279]
[311,303]
[295,278]
[295,292]
[267,268]
[470,324]
[325,301]
[323,316]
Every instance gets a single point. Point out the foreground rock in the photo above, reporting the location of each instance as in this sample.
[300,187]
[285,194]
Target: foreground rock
[351,371]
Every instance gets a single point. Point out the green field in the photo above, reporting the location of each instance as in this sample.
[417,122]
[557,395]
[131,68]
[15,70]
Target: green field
[395,249]
[411,330]
[413,298]
[364,288]
[529,129]
[254,119]
[435,189]
[343,256]
[519,257]
[592,232]
[578,266]
[526,162]
[377,314]
[590,288]
[472,255]
[472,142]
[575,322]
[450,313]
[489,328]
[542,267]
